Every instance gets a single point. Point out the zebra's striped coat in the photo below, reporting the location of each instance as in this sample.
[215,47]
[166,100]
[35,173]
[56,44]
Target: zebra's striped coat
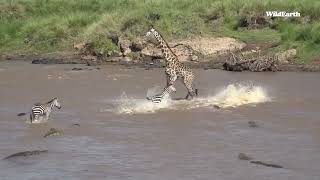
[41,112]
[159,97]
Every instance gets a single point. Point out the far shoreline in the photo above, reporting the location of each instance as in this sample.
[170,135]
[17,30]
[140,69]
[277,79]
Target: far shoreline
[63,58]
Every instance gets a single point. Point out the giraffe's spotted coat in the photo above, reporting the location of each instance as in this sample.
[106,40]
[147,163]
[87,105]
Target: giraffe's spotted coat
[174,68]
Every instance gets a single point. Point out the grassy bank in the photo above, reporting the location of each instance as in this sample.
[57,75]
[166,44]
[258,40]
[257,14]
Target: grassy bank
[54,25]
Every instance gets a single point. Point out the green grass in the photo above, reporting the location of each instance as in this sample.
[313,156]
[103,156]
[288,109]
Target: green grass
[54,25]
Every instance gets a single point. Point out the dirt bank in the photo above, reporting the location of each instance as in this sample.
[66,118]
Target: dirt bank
[212,63]
[201,53]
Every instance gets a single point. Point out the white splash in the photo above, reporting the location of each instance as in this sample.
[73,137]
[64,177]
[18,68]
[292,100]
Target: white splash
[233,95]
[128,105]
[40,120]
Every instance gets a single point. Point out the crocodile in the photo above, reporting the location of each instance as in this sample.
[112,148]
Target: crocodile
[26,153]
[266,164]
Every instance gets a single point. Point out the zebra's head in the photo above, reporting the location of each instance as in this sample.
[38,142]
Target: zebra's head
[56,103]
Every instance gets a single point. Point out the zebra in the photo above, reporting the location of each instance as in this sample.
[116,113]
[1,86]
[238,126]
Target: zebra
[43,110]
[158,98]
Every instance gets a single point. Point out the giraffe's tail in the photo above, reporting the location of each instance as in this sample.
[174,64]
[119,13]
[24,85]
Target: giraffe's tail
[196,91]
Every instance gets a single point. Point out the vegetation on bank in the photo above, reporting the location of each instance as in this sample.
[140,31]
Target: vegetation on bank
[54,25]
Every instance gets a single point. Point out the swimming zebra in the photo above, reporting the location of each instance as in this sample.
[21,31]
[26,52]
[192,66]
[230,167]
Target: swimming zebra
[158,98]
[43,110]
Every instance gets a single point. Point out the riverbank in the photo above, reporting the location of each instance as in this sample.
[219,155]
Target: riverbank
[70,58]
[42,27]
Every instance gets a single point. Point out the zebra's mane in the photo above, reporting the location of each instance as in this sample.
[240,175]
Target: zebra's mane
[51,100]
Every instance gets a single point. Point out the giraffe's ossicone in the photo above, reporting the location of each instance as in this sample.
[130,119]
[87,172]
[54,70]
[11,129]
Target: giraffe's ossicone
[174,69]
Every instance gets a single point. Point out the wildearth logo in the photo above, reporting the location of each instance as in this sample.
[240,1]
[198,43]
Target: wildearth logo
[282,14]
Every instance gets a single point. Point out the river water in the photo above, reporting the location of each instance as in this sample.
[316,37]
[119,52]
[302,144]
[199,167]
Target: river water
[120,135]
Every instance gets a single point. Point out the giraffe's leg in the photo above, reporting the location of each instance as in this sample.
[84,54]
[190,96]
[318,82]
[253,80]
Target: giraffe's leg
[172,78]
[188,82]
[168,80]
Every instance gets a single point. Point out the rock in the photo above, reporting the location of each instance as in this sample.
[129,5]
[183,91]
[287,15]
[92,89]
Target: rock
[254,22]
[211,46]
[21,114]
[77,69]
[252,124]
[55,61]
[87,53]
[286,56]
[191,49]
[48,61]
[53,132]
[243,156]
[27,40]
[84,48]
[184,52]
[194,58]
[113,53]
[124,46]
[90,60]
[8,57]
[126,59]
[114,38]
[137,45]
[135,56]
[78,46]
[153,16]
[151,51]
[305,20]
[252,63]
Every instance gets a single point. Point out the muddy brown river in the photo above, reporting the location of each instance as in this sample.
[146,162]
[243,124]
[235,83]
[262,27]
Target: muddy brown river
[120,135]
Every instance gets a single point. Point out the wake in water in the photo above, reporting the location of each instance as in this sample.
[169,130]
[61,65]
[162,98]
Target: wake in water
[233,95]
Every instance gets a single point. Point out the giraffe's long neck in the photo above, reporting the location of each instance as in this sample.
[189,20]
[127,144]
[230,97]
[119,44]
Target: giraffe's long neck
[167,52]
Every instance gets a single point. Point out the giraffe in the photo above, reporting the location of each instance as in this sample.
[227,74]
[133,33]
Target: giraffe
[174,69]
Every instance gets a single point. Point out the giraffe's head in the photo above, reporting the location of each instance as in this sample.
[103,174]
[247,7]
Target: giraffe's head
[152,35]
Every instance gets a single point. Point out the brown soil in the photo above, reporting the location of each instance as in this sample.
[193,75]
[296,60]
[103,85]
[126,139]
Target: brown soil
[209,62]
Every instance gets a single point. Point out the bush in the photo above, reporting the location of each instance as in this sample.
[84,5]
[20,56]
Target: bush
[50,25]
